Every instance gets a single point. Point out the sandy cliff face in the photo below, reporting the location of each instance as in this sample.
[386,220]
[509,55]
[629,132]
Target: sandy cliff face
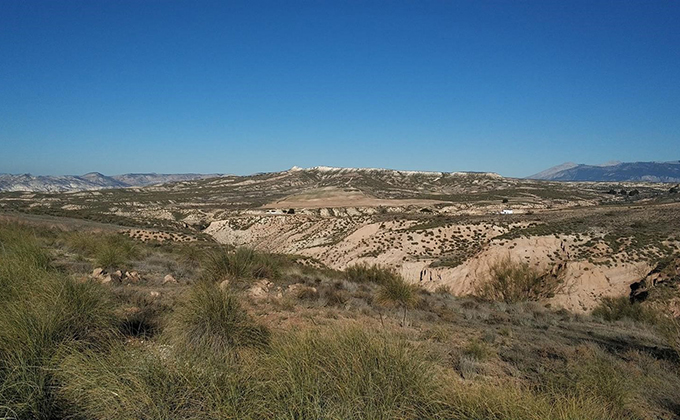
[341,241]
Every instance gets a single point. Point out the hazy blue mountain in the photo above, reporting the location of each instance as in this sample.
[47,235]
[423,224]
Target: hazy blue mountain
[90,181]
[140,180]
[614,172]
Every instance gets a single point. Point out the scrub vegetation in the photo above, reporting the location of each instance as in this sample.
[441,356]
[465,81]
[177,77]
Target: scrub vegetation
[241,334]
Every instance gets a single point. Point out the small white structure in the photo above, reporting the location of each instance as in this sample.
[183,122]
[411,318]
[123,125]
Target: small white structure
[506,211]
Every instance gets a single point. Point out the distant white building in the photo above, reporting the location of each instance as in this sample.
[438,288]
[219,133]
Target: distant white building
[506,211]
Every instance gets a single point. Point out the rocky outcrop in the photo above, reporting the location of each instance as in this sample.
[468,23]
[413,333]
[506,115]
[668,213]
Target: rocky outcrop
[169,279]
[117,276]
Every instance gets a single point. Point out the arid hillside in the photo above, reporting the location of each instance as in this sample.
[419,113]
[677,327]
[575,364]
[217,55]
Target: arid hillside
[436,229]
[97,325]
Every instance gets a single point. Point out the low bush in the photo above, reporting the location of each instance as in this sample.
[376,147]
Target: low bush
[511,282]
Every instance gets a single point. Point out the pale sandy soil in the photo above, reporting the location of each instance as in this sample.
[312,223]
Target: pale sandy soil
[340,242]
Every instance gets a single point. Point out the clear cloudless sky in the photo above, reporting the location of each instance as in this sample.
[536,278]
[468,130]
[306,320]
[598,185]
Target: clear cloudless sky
[240,87]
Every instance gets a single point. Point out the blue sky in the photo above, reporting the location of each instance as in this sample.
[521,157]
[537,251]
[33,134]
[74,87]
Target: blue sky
[241,87]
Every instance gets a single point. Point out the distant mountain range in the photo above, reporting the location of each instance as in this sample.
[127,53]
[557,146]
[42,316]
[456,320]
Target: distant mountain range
[609,172]
[90,181]
[613,172]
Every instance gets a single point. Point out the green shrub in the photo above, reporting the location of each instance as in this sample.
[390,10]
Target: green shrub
[511,282]
[210,318]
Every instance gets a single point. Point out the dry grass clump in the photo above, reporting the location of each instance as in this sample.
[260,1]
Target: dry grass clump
[336,374]
[351,373]
[107,249]
[592,374]
[671,330]
[365,273]
[398,293]
[40,311]
[478,349]
[618,308]
[153,382]
[244,263]
[443,290]
[210,318]
[661,318]
[511,282]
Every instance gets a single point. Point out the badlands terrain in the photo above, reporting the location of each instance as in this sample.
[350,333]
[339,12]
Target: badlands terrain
[334,293]
[436,229]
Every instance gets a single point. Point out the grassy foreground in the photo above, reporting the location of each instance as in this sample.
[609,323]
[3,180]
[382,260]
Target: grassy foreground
[336,346]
